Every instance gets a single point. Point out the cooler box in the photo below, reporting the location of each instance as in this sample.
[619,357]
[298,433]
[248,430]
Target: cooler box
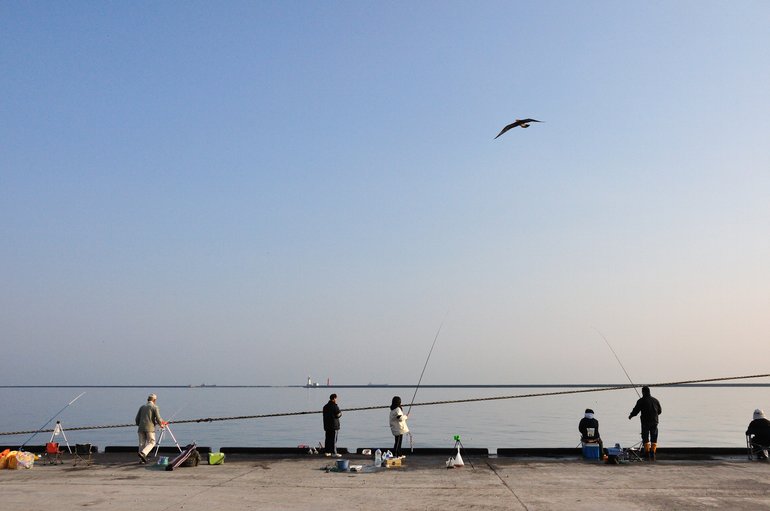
[591,451]
[216,458]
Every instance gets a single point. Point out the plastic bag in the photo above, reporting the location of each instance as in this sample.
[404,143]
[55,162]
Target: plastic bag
[10,460]
[4,458]
[25,459]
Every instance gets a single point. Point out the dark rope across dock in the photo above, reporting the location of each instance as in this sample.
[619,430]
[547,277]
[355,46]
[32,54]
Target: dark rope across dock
[428,403]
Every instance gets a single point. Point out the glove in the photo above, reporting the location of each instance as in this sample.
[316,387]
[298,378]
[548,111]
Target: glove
[630,417]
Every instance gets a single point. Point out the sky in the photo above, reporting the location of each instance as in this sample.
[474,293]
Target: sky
[256,192]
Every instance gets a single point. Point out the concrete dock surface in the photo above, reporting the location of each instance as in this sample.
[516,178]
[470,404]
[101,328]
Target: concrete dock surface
[246,482]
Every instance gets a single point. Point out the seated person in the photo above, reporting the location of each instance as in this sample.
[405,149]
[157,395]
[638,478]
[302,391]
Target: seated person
[589,430]
[759,433]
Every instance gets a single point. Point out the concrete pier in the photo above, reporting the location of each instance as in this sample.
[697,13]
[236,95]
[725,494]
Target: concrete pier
[116,481]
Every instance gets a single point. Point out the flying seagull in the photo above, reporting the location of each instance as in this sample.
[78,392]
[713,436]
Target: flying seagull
[524,123]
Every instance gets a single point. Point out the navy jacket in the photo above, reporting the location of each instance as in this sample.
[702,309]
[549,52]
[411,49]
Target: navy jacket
[586,423]
[760,428]
[332,416]
[650,408]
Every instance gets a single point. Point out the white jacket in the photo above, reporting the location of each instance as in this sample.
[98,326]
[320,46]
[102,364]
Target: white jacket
[398,422]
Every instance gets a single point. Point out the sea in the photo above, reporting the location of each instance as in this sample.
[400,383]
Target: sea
[693,416]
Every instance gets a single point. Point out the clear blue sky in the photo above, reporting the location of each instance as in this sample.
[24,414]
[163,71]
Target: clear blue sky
[254,192]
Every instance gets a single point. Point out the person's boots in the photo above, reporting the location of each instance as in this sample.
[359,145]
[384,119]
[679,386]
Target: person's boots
[647,450]
[652,452]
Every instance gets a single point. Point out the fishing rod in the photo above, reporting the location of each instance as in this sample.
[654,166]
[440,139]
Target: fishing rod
[619,362]
[49,421]
[179,410]
[425,366]
[411,438]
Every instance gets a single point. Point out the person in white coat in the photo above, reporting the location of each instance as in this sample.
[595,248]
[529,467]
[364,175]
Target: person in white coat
[397,424]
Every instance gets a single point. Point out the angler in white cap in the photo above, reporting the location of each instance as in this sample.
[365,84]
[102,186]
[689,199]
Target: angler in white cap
[147,418]
[758,433]
[589,430]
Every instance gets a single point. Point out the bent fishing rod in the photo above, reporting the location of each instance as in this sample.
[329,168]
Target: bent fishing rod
[49,421]
[619,362]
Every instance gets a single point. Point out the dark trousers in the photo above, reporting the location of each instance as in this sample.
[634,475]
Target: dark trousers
[759,449]
[330,445]
[759,446]
[397,445]
[649,433]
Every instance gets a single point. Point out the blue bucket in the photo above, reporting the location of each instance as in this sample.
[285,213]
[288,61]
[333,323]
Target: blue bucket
[591,451]
[343,465]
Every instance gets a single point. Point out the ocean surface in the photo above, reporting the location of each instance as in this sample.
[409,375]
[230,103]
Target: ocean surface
[692,416]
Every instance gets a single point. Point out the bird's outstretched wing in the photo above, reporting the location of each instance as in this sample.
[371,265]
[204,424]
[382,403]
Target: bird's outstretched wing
[517,122]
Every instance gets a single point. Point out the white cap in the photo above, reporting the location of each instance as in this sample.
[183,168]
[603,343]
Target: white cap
[759,414]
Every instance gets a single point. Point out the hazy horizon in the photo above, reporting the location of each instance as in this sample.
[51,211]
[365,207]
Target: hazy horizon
[254,192]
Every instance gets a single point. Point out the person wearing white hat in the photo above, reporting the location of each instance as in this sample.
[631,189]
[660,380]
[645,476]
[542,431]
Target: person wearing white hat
[589,431]
[147,418]
[759,433]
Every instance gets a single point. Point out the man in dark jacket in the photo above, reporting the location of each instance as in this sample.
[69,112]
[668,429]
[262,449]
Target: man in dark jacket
[332,416]
[589,430]
[759,434]
[650,409]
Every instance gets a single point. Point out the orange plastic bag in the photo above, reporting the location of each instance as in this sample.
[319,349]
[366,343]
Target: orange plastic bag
[10,460]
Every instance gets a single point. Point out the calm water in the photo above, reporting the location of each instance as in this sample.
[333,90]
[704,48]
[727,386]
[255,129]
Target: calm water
[712,417]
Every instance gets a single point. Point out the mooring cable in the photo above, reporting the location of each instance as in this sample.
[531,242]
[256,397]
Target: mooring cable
[427,403]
